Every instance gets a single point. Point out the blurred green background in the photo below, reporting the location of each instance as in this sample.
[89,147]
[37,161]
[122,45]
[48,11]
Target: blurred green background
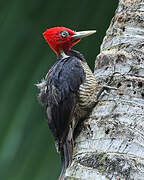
[27,150]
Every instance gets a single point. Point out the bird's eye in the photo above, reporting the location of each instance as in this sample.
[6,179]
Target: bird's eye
[64,34]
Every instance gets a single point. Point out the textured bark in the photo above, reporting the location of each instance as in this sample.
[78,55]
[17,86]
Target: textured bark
[111,143]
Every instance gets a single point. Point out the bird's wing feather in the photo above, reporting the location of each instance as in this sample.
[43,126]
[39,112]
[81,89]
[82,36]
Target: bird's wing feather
[63,82]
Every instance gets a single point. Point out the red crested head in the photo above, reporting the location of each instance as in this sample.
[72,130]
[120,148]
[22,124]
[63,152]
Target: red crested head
[61,39]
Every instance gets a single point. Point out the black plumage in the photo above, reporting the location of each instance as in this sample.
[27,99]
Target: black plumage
[59,93]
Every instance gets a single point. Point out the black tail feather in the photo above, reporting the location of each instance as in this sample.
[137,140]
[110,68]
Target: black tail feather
[66,155]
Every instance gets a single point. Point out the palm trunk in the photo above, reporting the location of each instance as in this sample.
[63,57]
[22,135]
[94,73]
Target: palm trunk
[111,144]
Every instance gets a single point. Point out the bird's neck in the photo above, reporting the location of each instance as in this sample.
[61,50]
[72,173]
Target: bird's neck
[63,55]
[74,53]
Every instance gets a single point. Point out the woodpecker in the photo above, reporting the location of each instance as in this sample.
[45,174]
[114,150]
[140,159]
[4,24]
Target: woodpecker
[68,90]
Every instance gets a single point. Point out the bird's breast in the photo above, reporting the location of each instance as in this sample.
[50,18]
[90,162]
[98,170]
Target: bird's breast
[87,90]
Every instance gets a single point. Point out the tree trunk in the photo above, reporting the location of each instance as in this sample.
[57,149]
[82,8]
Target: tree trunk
[111,143]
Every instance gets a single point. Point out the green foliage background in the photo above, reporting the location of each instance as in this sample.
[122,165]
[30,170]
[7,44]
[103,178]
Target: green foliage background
[27,150]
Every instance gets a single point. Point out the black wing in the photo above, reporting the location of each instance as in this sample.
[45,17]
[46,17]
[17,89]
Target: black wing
[62,82]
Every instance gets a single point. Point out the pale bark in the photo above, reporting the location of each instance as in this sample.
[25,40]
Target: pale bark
[111,144]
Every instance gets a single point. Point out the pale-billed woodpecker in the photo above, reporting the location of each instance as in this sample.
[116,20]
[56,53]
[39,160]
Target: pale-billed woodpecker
[68,90]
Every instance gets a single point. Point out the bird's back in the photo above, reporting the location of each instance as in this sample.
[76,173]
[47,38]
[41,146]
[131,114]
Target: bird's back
[60,92]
